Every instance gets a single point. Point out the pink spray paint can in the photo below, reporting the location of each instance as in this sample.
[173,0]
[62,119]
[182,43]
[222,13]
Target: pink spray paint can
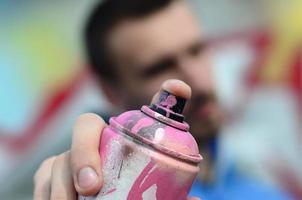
[149,154]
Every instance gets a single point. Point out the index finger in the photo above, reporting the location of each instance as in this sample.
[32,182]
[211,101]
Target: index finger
[85,158]
[175,87]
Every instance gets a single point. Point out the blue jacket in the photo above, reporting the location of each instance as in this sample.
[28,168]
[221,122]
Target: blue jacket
[237,187]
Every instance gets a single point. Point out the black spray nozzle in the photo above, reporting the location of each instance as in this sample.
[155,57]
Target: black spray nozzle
[169,105]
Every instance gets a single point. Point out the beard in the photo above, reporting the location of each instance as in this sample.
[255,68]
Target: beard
[204,117]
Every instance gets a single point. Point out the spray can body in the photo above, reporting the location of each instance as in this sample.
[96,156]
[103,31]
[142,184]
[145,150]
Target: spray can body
[147,156]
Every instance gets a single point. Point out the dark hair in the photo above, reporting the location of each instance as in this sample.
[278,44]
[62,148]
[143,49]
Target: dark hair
[103,18]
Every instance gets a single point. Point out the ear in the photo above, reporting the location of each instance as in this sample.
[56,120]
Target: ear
[112,92]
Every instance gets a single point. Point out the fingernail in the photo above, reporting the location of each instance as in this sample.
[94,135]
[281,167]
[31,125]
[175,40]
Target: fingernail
[87,177]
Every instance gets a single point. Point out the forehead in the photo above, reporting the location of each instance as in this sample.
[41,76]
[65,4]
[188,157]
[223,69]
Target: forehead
[166,31]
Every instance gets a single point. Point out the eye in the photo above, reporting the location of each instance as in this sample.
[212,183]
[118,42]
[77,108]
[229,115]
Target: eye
[196,49]
[159,67]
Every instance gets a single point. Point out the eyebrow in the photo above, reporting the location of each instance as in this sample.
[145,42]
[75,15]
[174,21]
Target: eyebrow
[169,61]
[159,66]
[197,47]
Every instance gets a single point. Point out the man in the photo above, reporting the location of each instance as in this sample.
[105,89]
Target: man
[134,46]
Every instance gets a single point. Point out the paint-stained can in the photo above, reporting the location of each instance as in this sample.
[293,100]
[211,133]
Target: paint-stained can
[149,154]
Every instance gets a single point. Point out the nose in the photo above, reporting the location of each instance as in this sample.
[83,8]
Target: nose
[197,72]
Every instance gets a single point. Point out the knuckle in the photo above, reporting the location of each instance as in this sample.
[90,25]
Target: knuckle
[48,161]
[45,164]
[60,159]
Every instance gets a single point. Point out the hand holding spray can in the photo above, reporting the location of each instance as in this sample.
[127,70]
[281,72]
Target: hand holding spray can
[149,154]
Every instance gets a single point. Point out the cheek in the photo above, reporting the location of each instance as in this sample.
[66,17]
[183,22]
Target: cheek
[200,75]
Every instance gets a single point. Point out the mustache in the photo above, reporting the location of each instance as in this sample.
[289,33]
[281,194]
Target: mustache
[201,99]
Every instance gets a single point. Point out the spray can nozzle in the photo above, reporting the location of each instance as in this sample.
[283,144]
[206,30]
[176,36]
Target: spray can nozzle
[169,105]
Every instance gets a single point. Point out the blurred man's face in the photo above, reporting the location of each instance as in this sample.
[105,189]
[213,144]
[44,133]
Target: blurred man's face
[167,44]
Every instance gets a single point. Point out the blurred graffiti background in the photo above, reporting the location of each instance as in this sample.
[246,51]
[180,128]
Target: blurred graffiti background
[44,85]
